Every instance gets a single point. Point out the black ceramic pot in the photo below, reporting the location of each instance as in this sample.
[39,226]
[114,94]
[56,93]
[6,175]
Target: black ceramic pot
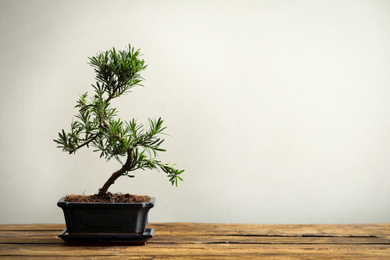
[105,218]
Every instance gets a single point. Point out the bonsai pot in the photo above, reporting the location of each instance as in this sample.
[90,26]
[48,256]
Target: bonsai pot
[118,223]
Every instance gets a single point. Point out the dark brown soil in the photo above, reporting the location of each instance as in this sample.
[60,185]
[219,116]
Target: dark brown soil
[108,198]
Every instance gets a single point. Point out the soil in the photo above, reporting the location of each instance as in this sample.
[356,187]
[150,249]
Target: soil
[108,198]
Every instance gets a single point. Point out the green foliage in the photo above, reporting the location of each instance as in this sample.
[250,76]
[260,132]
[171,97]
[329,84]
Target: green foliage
[96,124]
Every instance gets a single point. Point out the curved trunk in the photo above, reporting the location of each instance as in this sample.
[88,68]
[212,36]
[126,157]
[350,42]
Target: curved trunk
[118,173]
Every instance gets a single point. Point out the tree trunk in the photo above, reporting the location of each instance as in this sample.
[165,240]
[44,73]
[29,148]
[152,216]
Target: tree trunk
[117,174]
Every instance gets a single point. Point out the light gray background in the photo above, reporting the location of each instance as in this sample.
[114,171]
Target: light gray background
[278,110]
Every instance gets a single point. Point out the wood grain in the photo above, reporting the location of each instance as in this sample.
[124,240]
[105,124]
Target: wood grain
[210,241]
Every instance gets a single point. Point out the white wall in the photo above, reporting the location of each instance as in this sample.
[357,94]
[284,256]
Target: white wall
[279,110]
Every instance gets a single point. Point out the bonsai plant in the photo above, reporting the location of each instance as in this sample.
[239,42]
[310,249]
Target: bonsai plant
[96,125]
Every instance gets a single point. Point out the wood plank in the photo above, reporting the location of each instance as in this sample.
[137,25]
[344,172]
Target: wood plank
[220,250]
[242,229]
[30,237]
[274,230]
[267,240]
[51,237]
[27,227]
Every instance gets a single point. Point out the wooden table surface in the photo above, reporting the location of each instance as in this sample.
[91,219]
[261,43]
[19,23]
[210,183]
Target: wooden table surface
[210,241]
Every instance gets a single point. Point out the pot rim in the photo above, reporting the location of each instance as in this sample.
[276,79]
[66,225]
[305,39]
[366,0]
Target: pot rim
[65,204]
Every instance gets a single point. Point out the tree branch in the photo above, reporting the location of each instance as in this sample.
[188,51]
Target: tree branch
[114,92]
[84,144]
[126,167]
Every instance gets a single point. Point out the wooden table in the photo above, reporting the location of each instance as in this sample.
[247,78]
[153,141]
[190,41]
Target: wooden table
[210,241]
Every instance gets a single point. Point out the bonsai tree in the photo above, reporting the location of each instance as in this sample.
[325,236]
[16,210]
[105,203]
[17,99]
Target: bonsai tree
[96,125]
